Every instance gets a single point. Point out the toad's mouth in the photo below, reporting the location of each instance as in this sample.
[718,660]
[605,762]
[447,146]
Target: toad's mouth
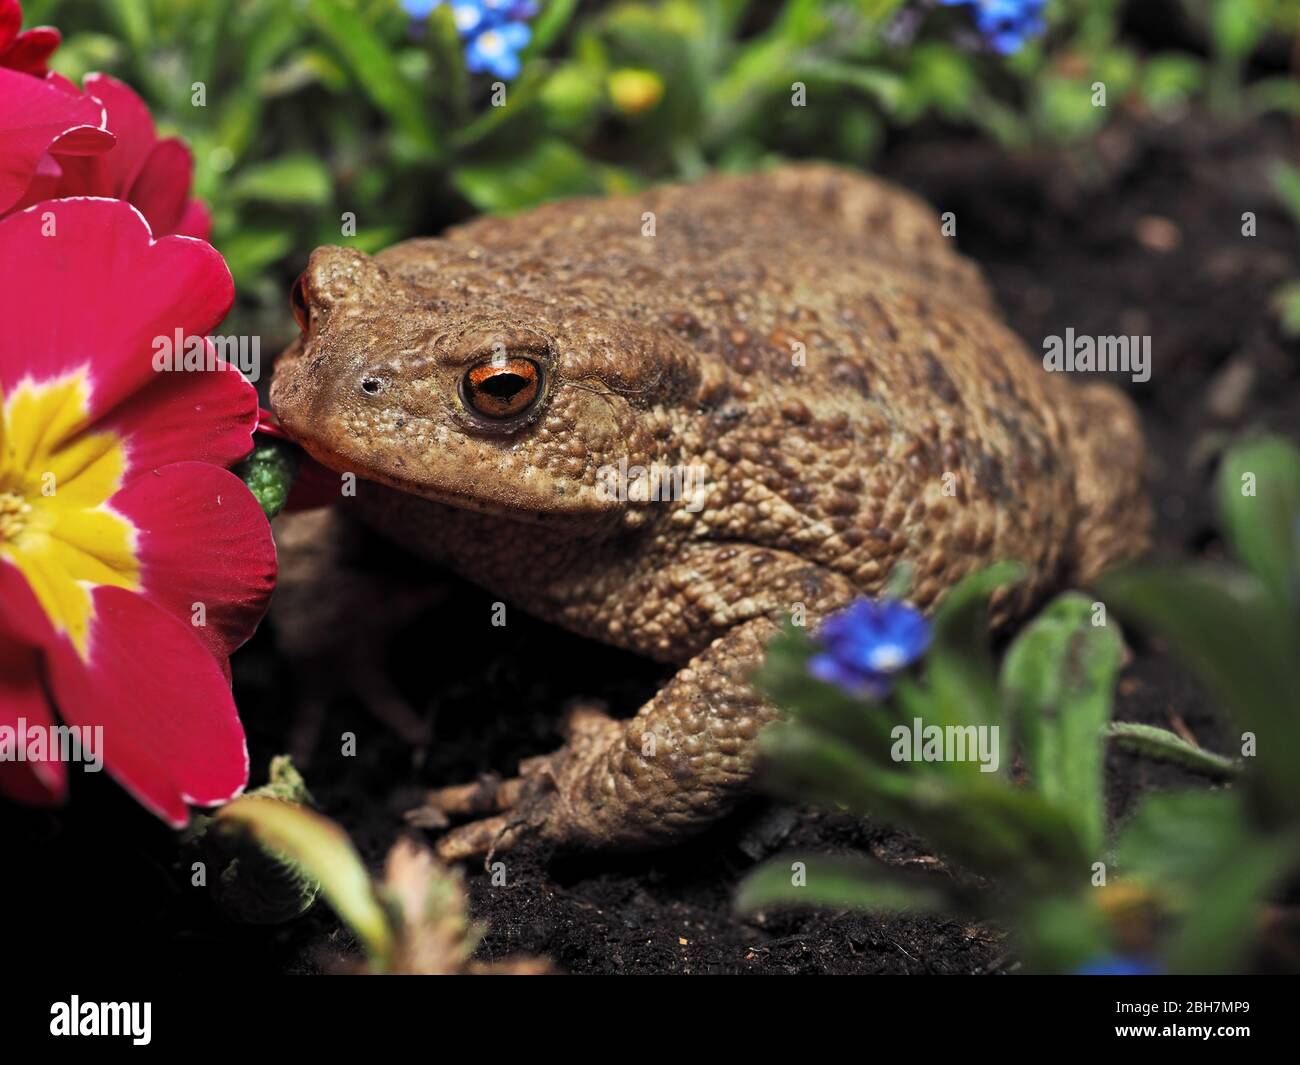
[514,506]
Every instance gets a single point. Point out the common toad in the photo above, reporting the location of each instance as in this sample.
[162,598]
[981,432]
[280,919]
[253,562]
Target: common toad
[799,360]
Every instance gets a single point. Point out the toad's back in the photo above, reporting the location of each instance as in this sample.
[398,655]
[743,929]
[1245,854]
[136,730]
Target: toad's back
[860,401]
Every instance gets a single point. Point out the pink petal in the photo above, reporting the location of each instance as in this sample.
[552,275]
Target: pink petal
[31,52]
[98,294]
[35,115]
[161,189]
[196,221]
[203,539]
[171,733]
[11,21]
[23,704]
[21,618]
[131,123]
[180,415]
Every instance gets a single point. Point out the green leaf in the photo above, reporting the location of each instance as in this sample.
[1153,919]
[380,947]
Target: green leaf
[324,851]
[1174,838]
[1057,679]
[519,100]
[962,617]
[134,23]
[884,86]
[1230,631]
[1274,94]
[977,819]
[808,765]
[571,97]
[550,22]
[959,670]
[1058,933]
[1223,923]
[550,169]
[269,473]
[448,52]
[1064,107]
[838,882]
[1259,506]
[1216,872]
[1286,305]
[1238,26]
[1171,78]
[1170,747]
[288,180]
[375,69]
[250,251]
[939,76]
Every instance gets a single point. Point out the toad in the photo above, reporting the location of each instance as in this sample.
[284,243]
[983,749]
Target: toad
[665,420]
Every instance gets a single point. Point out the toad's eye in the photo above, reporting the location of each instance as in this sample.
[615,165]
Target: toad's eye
[502,388]
[298,301]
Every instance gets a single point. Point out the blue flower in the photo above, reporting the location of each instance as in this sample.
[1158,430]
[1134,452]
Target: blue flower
[494,30]
[419,8]
[496,50]
[1006,24]
[1117,965]
[867,642]
[509,10]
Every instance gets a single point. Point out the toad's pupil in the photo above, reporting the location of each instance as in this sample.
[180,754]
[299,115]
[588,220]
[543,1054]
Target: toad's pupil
[503,385]
[502,389]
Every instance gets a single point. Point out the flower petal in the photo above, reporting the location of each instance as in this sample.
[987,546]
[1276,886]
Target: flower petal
[171,733]
[196,221]
[161,188]
[202,539]
[21,616]
[34,115]
[131,123]
[22,699]
[11,21]
[31,51]
[207,416]
[98,293]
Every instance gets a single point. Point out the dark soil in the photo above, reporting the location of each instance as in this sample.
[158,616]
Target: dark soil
[1139,234]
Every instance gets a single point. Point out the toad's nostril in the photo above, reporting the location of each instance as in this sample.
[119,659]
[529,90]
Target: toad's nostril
[371,385]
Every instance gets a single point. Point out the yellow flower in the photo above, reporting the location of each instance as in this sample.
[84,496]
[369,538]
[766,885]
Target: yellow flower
[55,482]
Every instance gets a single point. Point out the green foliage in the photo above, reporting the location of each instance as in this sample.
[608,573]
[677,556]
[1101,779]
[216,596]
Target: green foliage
[249,882]
[269,473]
[840,882]
[1238,627]
[323,851]
[1037,838]
[1057,681]
[1286,185]
[1167,746]
[303,114]
[1189,872]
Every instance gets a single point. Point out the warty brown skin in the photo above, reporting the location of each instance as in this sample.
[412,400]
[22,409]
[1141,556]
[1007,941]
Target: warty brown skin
[808,339]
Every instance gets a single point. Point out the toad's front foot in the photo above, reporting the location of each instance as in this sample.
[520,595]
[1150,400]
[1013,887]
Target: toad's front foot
[678,765]
[532,804]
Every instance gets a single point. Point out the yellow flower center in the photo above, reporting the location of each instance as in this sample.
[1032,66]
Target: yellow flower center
[56,478]
[14,510]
